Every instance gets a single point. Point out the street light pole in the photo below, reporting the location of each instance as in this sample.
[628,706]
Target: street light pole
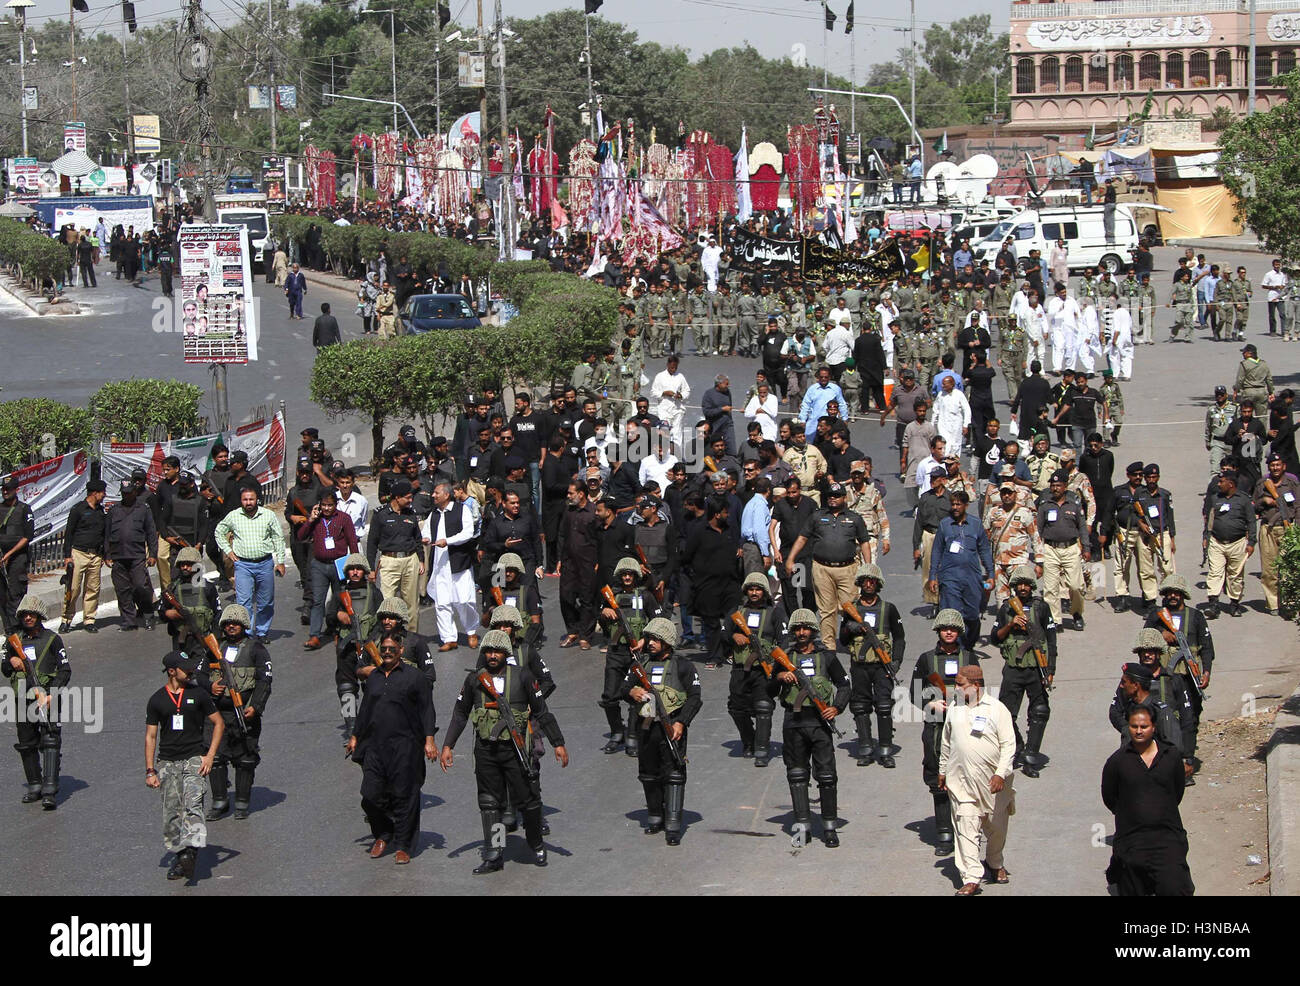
[19,7]
[591,93]
[72,41]
[507,165]
[392,30]
[437,83]
[271,90]
[1250,65]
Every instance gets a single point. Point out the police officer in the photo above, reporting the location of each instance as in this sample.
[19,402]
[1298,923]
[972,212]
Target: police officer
[198,596]
[1021,637]
[521,593]
[657,538]
[806,732]
[1166,688]
[638,607]
[1177,617]
[1155,519]
[931,510]
[40,666]
[498,769]
[1124,504]
[748,701]
[1229,539]
[1064,530]
[677,691]
[933,679]
[1042,462]
[880,629]
[365,600]
[17,529]
[1277,501]
[391,618]
[130,548]
[1218,441]
[250,666]
[839,537]
[395,549]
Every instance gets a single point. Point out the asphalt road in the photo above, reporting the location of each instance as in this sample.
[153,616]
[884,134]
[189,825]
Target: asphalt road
[306,834]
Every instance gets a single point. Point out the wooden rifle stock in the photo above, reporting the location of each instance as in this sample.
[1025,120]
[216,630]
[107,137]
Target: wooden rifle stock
[498,597]
[508,717]
[783,659]
[1271,488]
[1040,655]
[936,679]
[739,620]
[217,663]
[661,714]
[1193,669]
[33,686]
[368,646]
[851,611]
[640,555]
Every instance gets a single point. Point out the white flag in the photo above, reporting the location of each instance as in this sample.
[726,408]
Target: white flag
[744,205]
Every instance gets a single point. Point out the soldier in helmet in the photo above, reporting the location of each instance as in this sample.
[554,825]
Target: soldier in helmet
[521,593]
[365,597]
[1166,688]
[198,596]
[805,733]
[748,701]
[523,654]
[880,629]
[934,680]
[41,665]
[497,766]
[1176,617]
[1021,638]
[391,617]
[638,607]
[677,687]
[250,665]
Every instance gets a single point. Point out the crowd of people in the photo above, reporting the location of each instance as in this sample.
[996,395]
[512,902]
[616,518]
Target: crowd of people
[669,533]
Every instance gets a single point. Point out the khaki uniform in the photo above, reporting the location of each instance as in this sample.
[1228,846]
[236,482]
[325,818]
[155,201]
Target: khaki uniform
[870,506]
[1217,419]
[808,463]
[1239,292]
[1274,519]
[386,309]
[1254,383]
[699,306]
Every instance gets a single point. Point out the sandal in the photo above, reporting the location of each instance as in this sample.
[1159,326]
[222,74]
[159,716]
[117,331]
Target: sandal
[969,890]
[569,640]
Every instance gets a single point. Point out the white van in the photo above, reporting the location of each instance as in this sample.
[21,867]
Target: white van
[1082,228]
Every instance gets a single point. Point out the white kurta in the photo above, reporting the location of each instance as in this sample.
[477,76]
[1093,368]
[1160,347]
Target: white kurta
[671,409]
[979,741]
[765,413]
[951,416]
[1063,318]
[1033,322]
[454,594]
[1120,349]
[1089,340]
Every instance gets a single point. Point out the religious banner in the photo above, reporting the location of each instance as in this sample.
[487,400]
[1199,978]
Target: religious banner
[216,294]
[387,162]
[751,251]
[820,261]
[51,488]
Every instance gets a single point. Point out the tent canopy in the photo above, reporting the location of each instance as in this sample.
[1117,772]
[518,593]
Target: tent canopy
[16,210]
[74,164]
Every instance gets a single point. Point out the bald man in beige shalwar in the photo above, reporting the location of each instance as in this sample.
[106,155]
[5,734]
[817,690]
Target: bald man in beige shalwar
[979,742]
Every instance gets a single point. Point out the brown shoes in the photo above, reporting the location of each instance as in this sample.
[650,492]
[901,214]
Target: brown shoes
[969,890]
[473,640]
[378,848]
[313,643]
[999,875]
[568,640]
[584,644]
[446,647]
[402,858]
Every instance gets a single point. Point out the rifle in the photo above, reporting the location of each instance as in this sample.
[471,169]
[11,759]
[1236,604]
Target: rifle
[29,665]
[65,580]
[936,679]
[1193,669]
[171,601]
[498,597]
[1040,656]
[851,611]
[737,619]
[1271,489]
[661,715]
[508,717]
[640,555]
[299,509]
[184,543]
[783,659]
[367,647]
[209,484]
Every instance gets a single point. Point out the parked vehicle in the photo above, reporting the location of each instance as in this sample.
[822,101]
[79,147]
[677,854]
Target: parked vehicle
[433,312]
[1081,227]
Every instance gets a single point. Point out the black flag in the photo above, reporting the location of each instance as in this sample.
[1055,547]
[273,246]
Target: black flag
[444,15]
[81,5]
[128,15]
[830,18]
[848,19]
[593,5]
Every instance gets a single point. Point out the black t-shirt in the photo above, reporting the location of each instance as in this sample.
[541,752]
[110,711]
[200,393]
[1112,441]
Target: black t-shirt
[1083,409]
[195,706]
[979,385]
[530,432]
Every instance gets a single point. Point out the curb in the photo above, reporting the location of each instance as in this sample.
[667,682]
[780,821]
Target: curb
[38,306]
[1282,765]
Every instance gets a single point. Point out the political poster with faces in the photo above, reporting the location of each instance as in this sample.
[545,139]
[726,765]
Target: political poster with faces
[216,298]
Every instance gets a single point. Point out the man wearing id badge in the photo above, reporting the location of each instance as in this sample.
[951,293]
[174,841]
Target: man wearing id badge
[1064,529]
[250,671]
[1277,497]
[175,761]
[748,701]
[975,771]
[1229,539]
[934,682]
[958,556]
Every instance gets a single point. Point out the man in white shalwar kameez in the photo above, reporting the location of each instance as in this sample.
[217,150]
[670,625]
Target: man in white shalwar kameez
[1063,318]
[951,415]
[979,743]
[454,593]
[1119,349]
[671,391]
[1089,340]
[1033,322]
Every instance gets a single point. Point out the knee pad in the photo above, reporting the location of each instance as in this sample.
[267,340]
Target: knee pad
[645,778]
[26,747]
[675,777]
[247,761]
[764,706]
[51,739]
[1039,712]
[827,780]
[797,775]
[487,802]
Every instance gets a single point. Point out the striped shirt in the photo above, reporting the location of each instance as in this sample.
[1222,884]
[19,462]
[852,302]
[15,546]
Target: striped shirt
[254,537]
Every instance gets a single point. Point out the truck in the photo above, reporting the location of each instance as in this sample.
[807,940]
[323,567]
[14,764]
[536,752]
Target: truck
[247,209]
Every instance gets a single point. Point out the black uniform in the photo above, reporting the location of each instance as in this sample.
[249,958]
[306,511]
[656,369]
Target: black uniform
[1168,695]
[946,667]
[806,737]
[415,651]
[396,717]
[528,601]
[1149,851]
[365,600]
[677,687]
[39,736]
[1021,675]
[660,544]
[497,769]
[792,521]
[129,538]
[638,607]
[873,687]
[298,501]
[1195,629]
[748,701]
[185,517]
[200,599]
[250,664]
[16,524]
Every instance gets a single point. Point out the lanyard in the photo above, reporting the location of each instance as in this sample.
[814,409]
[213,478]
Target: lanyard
[176,699]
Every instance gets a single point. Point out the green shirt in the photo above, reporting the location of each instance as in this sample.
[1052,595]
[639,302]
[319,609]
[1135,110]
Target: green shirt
[254,537]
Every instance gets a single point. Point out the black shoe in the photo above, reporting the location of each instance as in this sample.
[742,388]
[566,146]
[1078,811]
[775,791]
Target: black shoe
[65,627]
[241,814]
[90,628]
[177,872]
[188,858]
[48,803]
[1078,623]
[546,827]
[944,848]
[1236,609]
[1029,770]
[128,626]
[539,856]
[760,761]
[1121,604]
[886,760]
[490,866]
[218,810]
[1212,611]
[305,620]
[654,828]
[613,746]
[673,838]
[31,797]
[747,752]
[831,838]
[148,622]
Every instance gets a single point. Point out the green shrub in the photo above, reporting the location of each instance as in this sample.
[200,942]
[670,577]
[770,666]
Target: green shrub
[34,429]
[36,254]
[1288,573]
[144,410]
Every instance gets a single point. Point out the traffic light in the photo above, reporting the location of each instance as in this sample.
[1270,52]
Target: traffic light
[128,15]
[81,5]
[444,15]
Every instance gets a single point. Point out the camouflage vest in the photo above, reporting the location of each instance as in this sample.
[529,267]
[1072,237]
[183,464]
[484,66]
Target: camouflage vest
[663,679]
[878,619]
[633,606]
[242,667]
[486,716]
[192,598]
[757,622]
[813,666]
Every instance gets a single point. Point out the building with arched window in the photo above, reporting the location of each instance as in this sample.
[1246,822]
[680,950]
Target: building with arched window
[1087,62]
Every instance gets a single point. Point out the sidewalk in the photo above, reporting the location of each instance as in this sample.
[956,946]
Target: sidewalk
[1247,242]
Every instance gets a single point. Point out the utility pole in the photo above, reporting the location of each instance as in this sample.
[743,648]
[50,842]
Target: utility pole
[1250,65]
[126,90]
[392,54]
[591,91]
[199,65]
[911,65]
[507,165]
[274,93]
[482,104]
[19,7]
[437,83]
[72,41]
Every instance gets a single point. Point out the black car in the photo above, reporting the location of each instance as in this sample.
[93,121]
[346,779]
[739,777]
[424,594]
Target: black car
[431,312]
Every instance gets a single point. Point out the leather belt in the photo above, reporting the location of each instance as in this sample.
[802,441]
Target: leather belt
[1062,544]
[834,564]
[397,554]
